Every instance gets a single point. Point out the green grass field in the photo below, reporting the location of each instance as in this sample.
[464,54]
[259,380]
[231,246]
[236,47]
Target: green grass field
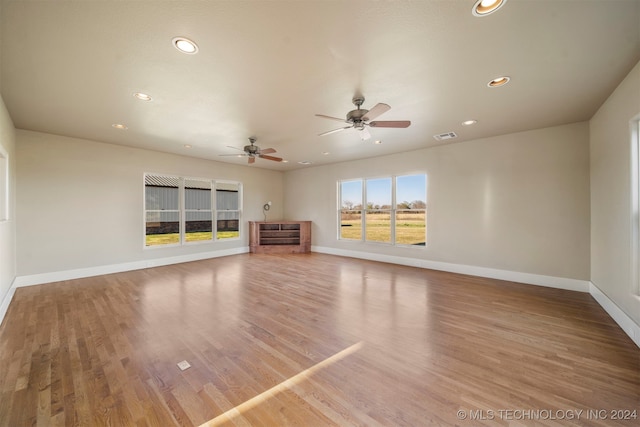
[410,228]
[172,238]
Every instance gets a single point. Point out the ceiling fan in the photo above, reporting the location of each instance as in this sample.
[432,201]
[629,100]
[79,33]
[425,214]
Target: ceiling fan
[360,118]
[252,151]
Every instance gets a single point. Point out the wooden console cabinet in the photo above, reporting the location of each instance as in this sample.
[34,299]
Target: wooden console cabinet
[279,237]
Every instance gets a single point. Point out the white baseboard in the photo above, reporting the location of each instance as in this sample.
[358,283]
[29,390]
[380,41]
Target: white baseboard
[57,276]
[492,273]
[627,324]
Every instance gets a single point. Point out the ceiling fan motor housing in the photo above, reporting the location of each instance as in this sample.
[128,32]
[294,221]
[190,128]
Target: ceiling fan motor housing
[355,117]
[251,149]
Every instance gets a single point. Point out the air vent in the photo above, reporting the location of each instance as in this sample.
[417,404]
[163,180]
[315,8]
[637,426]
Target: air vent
[445,136]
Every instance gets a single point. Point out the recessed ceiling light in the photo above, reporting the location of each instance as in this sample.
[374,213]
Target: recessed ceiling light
[377,142]
[469,122]
[185,45]
[499,81]
[187,145]
[305,162]
[486,7]
[285,161]
[142,96]
[325,153]
[119,126]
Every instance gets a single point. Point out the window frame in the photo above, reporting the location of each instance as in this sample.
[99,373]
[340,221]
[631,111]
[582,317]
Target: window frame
[397,210]
[369,210]
[354,210]
[5,164]
[217,211]
[189,209]
[183,210]
[634,133]
[393,211]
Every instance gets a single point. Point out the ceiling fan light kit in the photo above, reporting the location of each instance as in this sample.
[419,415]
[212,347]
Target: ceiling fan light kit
[360,118]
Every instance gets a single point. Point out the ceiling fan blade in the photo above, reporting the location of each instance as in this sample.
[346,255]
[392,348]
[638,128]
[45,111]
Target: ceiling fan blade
[331,118]
[391,124]
[267,151]
[252,159]
[275,159]
[376,111]
[233,155]
[235,148]
[335,130]
[364,134]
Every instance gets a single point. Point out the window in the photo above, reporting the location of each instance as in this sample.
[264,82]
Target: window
[197,210]
[228,210]
[4,185]
[411,210]
[350,223]
[388,210]
[179,210]
[162,210]
[378,222]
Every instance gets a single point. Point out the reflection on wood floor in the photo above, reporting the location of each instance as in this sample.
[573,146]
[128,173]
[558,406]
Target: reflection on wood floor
[310,340]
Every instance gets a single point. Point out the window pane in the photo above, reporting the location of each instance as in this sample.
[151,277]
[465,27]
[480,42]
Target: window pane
[350,210]
[198,225]
[227,200]
[228,210]
[378,214]
[228,225]
[351,195]
[161,193]
[411,227]
[198,215]
[162,204]
[411,192]
[162,227]
[411,217]
[351,225]
[379,193]
[378,225]
[197,195]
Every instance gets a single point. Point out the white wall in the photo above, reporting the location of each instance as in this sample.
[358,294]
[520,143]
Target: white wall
[518,202]
[611,196]
[80,203]
[8,227]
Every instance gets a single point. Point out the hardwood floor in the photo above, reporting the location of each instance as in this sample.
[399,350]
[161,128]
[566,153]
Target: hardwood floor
[311,340]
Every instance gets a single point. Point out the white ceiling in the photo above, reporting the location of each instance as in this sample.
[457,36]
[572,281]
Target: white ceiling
[266,67]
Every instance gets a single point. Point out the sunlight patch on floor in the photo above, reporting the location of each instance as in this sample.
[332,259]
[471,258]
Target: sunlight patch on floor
[286,384]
